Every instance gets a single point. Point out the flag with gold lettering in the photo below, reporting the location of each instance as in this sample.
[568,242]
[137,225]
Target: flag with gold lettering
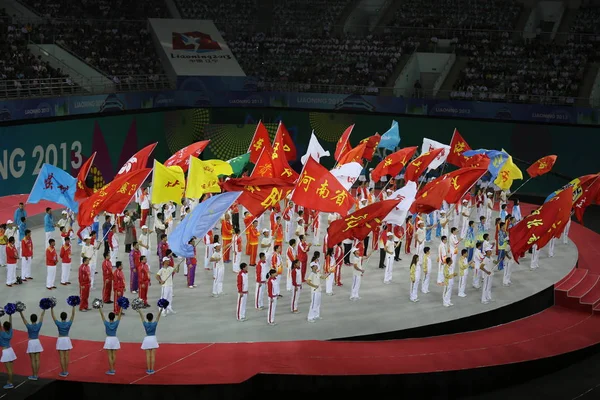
[287,144]
[113,197]
[281,154]
[371,144]
[361,222]
[138,161]
[82,191]
[497,159]
[458,146]
[541,166]
[507,174]
[343,143]
[415,169]
[202,178]
[259,141]
[168,183]
[431,196]
[259,194]
[182,156]
[578,184]
[590,195]
[393,164]
[353,155]
[317,189]
[477,161]
[263,167]
[534,226]
[461,181]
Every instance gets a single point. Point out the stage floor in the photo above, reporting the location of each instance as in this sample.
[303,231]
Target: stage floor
[201,318]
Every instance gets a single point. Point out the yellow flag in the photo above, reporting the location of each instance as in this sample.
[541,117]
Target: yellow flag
[221,167]
[168,183]
[201,179]
[507,173]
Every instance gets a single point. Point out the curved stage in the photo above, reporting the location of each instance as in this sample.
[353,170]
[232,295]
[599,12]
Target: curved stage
[203,335]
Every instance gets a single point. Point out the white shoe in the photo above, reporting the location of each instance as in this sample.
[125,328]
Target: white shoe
[241,319]
[462,295]
[446,305]
[164,314]
[171,312]
[272,323]
[312,320]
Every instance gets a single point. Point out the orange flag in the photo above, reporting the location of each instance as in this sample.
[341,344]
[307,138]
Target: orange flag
[319,190]
[287,144]
[259,141]
[263,168]
[541,166]
[415,169]
[82,191]
[354,155]
[371,144]
[461,181]
[343,144]
[431,196]
[393,164]
[458,146]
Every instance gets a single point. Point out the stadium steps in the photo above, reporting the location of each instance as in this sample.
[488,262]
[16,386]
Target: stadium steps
[572,281]
[389,84]
[565,26]
[453,75]
[586,87]
[580,290]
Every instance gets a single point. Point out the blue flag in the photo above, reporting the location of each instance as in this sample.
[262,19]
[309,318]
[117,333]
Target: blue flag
[391,139]
[199,222]
[497,159]
[54,184]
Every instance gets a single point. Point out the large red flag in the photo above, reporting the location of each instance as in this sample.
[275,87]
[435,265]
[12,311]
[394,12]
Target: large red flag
[361,222]
[343,144]
[535,226]
[476,161]
[280,156]
[113,197]
[431,196]
[181,158]
[319,190]
[263,168]
[415,169]
[353,155]
[461,181]
[541,166]
[137,161]
[259,141]
[458,146]
[259,194]
[82,191]
[371,144]
[393,164]
[287,144]
[590,195]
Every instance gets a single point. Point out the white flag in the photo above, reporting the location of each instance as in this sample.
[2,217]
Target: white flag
[429,145]
[314,149]
[406,195]
[347,174]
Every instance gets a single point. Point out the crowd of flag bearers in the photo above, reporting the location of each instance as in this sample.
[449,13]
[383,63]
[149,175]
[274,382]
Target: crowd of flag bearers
[285,232]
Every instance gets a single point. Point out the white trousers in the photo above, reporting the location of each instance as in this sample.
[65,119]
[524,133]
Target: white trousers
[272,308]
[355,286]
[49,235]
[218,281]
[2,254]
[329,283]
[488,218]
[185,269]
[65,272]
[11,274]
[477,278]
[315,306]
[92,272]
[462,284]
[259,295]
[425,283]
[26,267]
[534,257]
[565,235]
[486,292]
[440,274]
[241,306]
[507,272]
[465,227]
[289,230]
[237,260]
[50,276]
[166,292]
[295,298]
[288,279]
[389,268]
[414,286]
[447,297]
[551,247]
[113,256]
[419,249]
[317,235]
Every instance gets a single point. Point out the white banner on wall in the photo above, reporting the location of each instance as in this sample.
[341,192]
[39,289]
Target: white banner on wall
[195,47]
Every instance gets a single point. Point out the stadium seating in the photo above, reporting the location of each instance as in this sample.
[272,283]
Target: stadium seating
[99,9]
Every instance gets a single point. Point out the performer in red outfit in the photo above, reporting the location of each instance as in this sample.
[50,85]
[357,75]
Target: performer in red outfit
[409,231]
[144,277]
[338,253]
[118,285]
[226,236]
[85,282]
[107,278]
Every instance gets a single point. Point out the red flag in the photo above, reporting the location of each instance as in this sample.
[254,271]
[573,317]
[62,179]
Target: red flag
[287,144]
[371,144]
[263,168]
[82,191]
[535,226]
[259,194]
[590,195]
[281,167]
[259,140]
[113,197]
[416,168]
[137,161]
[354,155]
[477,161]
[182,157]
[461,181]
[393,164]
[458,146]
[541,166]
[319,190]
[361,222]
[431,196]
[343,144]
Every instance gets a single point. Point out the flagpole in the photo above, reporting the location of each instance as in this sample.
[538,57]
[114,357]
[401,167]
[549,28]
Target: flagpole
[34,185]
[517,189]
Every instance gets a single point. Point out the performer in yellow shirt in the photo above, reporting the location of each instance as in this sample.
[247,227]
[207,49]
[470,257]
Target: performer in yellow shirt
[449,275]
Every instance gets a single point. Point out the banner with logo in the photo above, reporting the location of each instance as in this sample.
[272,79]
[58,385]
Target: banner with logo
[195,48]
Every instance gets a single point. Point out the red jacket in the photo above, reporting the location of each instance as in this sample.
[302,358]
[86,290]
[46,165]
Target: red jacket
[270,287]
[144,273]
[119,280]
[297,277]
[51,257]
[65,254]
[27,247]
[12,254]
[84,275]
[260,272]
[107,270]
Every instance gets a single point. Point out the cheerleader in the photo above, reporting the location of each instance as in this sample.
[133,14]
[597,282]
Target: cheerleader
[63,343]
[8,354]
[34,347]
[150,344]
[111,344]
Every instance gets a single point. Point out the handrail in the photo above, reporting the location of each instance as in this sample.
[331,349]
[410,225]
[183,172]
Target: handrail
[444,74]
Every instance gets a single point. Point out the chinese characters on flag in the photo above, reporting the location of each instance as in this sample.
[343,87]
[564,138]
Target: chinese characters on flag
[393,164]
[317,189]
[82,191]
[263,167]
[431,196]
[181,158]
[354,155]
[284,140]
[458,146]
[281,154]
[415,169]
[259,194]
[591,195]
[371,144]
[541,166]
[259,141]
[461,181]
[343,144]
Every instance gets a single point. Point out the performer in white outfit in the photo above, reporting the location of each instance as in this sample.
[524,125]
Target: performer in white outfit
[261,282]
[443,221]
[487,268]
[242,288]
[453,242]
[208,250]
[463,272]
[489,208]
[478,257]
[389,258]
[535,254]
[442,255]
[218,270]
[420,238]
[508,265]
[144,241]
[426,266]
[165,278]
[150,343]
[448,282]
[314,281]
[551,247]
[415,278]
[89,250]
[465,213]
[565,235]
[236,246]
[330,267]
[266,245]
[357,273]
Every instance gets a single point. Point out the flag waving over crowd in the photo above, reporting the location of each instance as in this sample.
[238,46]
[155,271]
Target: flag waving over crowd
[353,155]
[259,194]
[393,164]
[347,174]
[343,144]
[391,139]
[578,184]
[282,152]
[239,163]
[431,196]
[590,195]
[406,197]
[371,144]
[82,191]
[314,150]
[138,161]
[168,183]
[259,141]
[181,158]
[202,179]
[415,169]
[54,184]
[507,174]
[263,167]
[283,141]
[461,182]
[541,166]
[497,159]
[431,145]
[458,146]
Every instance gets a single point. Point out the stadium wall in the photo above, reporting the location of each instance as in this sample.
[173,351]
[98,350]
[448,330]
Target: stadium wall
[67,143]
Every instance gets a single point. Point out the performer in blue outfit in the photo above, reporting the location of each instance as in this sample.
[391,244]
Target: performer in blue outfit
[150,343]
[111,344]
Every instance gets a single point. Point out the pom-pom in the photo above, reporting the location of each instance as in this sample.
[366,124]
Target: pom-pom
[10,308]
[20,306]
[137,304]
[163,303]
[123,302]
[73,301]
[52,302]
[1,313]
[97,303]
[45,303]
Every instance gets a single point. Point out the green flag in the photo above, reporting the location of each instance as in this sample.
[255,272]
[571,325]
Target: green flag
[238,163]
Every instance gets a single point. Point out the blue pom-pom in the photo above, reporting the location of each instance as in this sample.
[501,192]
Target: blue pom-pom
[73,301]
[45,303]
[10,308]
[163,303]
[123,302]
